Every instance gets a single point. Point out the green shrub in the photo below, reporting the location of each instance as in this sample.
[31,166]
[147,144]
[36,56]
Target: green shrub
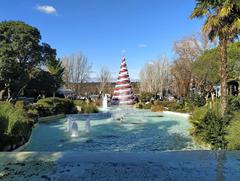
[174,106]
[147,106]
[233,136]
[146,97]
[52,106]
[234,103]
[209,128]
[138,105]
[6,140]
[197,100]
[16,120]
[86,107]
[3,123]
[157,108]
[20,105]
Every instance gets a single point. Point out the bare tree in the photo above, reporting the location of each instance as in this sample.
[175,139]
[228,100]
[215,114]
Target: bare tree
[77,71]
[154,76]
[66,74]
[187,51]
[104,77]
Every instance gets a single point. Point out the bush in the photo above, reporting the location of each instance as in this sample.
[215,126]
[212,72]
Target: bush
[14,120]
[86,107]
[198,100]
[146,97]
[157,108]
[52,106]
[20,105]
[234,133]
[138,105]
[209,128]
[174,106]
[234,103]
[3,123]
[10,140]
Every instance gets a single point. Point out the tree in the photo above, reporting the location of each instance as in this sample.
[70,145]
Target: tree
[207,77]
[54,66]
[20,51]
[222,22]
[104,77]
[41,83]
[77,70]
[154,76]
[187,50]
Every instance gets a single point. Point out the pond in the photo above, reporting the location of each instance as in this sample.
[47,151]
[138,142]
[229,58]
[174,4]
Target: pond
[138,131]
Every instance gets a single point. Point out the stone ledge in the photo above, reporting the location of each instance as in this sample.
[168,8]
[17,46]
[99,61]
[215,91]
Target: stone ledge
[49,118]
[186,165]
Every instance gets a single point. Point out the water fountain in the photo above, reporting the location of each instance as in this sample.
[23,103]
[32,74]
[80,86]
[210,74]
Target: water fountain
[69,124]
[104,102]
[87,126]
[74,129]
[118,115]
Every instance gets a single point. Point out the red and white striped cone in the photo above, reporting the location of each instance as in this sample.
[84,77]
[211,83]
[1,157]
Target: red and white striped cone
[123,94]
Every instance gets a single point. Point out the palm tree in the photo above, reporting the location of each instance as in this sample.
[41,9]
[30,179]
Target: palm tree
[54,67]
[222,22]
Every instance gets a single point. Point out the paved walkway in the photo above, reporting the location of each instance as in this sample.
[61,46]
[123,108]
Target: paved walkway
[189,165]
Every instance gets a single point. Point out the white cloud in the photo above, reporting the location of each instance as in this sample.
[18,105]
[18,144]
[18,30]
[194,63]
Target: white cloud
[142,45]
[46,9]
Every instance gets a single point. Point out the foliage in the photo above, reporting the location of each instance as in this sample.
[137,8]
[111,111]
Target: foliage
[7,140]
[157,108]
[142,105]
[234,60]
[16,120]
[3,123]
[21,53]
[52,106]
[198,100]
[41,83]
[209,128]
[20,105]
[174,106]
[54,66]
[186,50]
[205,69]
[210,59]
[234,103]
[234,133]
[222,18]
[146,97]
[222,21]
[86,107]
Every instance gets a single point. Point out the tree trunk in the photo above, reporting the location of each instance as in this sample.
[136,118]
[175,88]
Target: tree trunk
[223,75]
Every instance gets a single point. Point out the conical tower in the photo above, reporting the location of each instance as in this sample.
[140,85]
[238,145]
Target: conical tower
[123,94]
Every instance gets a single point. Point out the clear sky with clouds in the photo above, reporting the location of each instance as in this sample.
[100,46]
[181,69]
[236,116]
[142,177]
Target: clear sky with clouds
[101,29]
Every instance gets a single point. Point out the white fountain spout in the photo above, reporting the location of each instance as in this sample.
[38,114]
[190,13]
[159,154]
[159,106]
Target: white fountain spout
[69,124]
[87,126]
[74,129]
[105,102]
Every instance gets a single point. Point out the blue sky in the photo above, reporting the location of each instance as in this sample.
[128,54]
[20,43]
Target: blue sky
[101,29]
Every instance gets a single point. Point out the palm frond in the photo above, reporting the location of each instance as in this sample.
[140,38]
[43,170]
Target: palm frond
[211,23]
[226,10]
